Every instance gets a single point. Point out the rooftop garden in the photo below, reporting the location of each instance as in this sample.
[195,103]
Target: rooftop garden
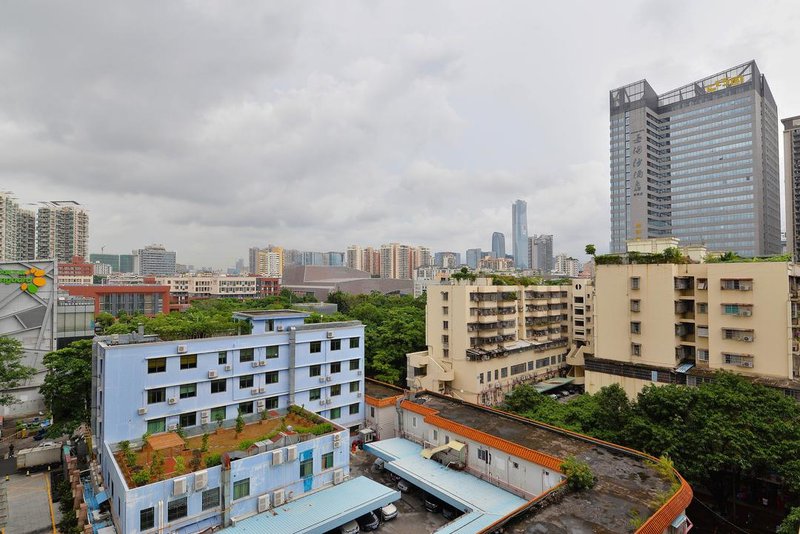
[674,255]
[170,454]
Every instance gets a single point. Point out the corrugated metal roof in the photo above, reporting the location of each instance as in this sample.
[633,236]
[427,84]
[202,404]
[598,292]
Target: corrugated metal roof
[320,511]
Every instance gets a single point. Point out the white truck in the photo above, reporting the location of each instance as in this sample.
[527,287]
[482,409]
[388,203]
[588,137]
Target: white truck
[41,455]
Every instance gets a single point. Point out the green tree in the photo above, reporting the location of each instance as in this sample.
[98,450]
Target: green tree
[12,371]
[239,423]
[104,320]
[579,474]
[67,385]
[791,523]
[591,250]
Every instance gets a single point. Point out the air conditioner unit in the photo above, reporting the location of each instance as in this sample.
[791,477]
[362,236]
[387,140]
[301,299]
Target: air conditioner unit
[338,476]
[254,364]
[262,390]
[205,416]
[328,378]
[172,428]
[142,411]
[747,364]
[228,367]
[337,438]
[329,334]
[212,373]
[261,404]
[182,349]
[279,328]
[200,480]
[254,391]
[747,313]
[358,394]
[321,379]
[262,363]
[179,486]
[291,453]
[747,338]
[277,457]
[172,400]
[278,497]
[328,401]
[263,503]
[337,444]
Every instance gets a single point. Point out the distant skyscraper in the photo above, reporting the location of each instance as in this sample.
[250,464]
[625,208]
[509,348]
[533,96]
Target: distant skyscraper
[791,177]
[542,253]
[519,233]
[474,255]
[62,231]
[499,245]
[154,260]
[699,163]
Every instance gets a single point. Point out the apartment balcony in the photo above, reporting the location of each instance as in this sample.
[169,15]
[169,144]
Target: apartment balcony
[685,331]
[487,319]
[735,334]
[507,313]
[684,352]
[684,308]
[484,304]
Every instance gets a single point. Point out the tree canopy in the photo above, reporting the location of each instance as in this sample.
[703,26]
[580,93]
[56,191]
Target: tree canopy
[12,372]
[727,427]
[67,386]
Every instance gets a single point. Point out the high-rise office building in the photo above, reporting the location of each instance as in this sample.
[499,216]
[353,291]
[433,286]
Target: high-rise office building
[699,163]
[154,260]
[499,245]
[791,176]
[541,252]
[474,255]
[519,233]
[62,231]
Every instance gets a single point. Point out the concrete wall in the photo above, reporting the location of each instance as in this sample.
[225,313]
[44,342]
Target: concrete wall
[503,467]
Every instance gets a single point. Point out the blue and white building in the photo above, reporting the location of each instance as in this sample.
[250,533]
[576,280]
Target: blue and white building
[144,385]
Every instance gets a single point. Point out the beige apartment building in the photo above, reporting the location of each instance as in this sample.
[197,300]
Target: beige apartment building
[483,340]
[678,323]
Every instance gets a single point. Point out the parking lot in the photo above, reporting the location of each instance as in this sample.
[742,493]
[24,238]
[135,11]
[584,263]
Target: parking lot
[412,516]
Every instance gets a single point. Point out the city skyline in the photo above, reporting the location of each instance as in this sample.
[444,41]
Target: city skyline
[433,115]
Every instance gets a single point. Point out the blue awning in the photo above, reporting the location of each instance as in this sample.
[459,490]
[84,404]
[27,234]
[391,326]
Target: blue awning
[101,498]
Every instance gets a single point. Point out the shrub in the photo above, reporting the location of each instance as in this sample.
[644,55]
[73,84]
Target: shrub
[579,474]
[141,478]
[245,444]
[213,459]
[239,423]
[204,446]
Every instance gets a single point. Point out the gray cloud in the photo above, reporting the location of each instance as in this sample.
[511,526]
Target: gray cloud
[212,127]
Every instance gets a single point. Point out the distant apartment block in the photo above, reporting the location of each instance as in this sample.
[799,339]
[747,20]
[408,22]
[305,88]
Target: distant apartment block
[154,260]
[541,253]
[184,289]
[483,339]
[490,263]
[447,260]
[791,176]
[268,262]
[364,259]
[62,231]
[425,276]
[566,266]
[398,261]
[474,255]
[699,163]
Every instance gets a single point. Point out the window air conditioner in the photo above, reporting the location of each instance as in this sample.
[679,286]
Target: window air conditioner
[142,411]
[228,367]
[182,349]
[172,400]
[330,334]
[212,373]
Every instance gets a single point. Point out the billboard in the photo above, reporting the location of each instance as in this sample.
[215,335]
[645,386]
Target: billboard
[28,295]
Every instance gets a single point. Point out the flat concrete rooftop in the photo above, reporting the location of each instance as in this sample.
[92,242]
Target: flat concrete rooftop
[380,390]
[625,482]
[271,313]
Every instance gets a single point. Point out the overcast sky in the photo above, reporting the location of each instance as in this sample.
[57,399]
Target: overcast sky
[211,127]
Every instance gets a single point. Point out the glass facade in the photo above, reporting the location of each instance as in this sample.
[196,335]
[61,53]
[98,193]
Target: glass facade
[698,163]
